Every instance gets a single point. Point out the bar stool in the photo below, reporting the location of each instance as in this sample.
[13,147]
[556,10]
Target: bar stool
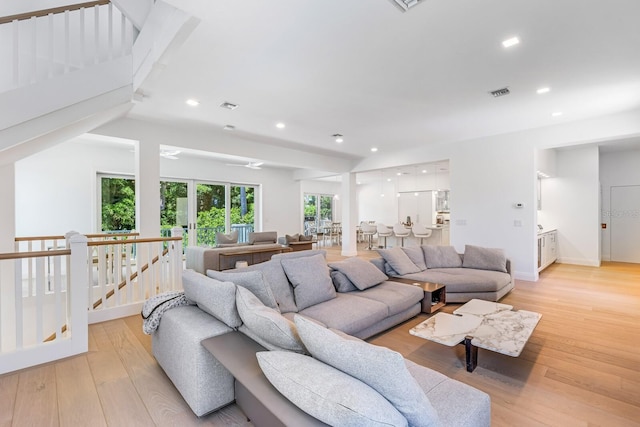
[368,230]
[400,231]
[384,231]
[421,231]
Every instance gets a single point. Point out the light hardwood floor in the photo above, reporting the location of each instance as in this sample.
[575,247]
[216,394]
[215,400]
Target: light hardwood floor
[581,366]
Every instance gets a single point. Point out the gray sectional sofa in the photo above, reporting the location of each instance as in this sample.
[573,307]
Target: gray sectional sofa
[482,273]
[266,301]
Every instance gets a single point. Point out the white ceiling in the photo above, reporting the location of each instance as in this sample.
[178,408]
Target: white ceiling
[395,80]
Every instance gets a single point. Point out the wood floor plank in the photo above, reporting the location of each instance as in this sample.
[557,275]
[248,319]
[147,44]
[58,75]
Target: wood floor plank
[8,392]
[36,399]
[78,401]
[160,397]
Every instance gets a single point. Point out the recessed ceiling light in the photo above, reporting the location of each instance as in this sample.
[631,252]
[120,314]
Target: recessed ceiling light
[229,105]
[543,90]
[229,127]
[339,138]
[280,125]
[193,102]
[374,149]
[556,114]
[398,173]
[511,42]
[424,171]
[388,179]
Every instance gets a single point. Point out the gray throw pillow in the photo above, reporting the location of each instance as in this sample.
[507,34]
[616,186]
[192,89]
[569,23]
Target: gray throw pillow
[399,261]
[416,256]
[252,280]
[267,323]
[310,279]
[484,258]
[304,238]
[294,238]
[342,282]
[441,257]
[326,393]
[379,367]
[361,273]
[227,239]
[212,296]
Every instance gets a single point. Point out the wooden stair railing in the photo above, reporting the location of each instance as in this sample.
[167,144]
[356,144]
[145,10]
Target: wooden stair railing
[133,276]
[51,11]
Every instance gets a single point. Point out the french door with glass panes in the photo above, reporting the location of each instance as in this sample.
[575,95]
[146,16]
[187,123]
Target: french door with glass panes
[204,208]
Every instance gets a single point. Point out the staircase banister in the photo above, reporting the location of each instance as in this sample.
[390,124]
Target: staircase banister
[53,10]
[124,242]
[34,254]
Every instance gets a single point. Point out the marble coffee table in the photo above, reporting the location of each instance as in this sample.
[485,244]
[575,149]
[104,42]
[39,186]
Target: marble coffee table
[480,324]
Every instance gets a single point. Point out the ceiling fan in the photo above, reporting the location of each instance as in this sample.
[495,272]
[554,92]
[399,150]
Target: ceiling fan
[250,165]
[170,154]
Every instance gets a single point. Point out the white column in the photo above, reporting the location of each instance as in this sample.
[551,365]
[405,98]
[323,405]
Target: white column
[349,215]
[148,188]
[7,207]
[7,236]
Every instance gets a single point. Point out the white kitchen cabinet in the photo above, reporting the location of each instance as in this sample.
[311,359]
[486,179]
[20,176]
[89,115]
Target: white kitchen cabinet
[547,249]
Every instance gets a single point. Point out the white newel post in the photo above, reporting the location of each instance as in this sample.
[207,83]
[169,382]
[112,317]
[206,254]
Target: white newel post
[177,258]
[7,236]
[78,294]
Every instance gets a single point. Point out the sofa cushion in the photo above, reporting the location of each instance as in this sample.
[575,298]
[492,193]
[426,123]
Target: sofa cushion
[439,388]
[379,367]
[398,297]
[484,258]
[416,256]
[227,239]
[304,238]
[348,313]
[263,237]
[398,260]
[361,273]
[310,279]
[441,257]
[319,390]
[464,279]
[267,323]
[341,282]
[212,296]
[252,280]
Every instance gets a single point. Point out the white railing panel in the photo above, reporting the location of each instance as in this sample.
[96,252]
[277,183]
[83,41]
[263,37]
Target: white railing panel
[52,323]
[41,48]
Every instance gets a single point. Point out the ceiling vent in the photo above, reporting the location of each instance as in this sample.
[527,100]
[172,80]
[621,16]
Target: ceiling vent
[229,106]
[405,5]
[500,92]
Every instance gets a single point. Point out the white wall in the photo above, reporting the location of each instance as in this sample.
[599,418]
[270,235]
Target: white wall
[56,189]
[616,169]
[572,201]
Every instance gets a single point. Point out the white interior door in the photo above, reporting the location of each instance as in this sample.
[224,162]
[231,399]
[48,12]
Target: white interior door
[625,223]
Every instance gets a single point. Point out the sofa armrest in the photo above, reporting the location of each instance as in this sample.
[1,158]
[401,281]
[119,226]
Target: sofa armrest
[195,258]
